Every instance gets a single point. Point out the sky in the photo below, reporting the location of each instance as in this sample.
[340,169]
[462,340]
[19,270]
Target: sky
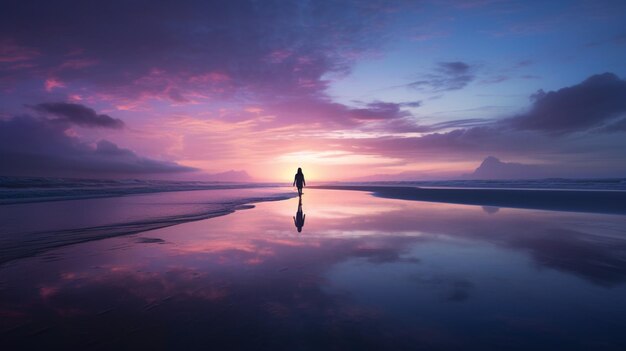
[347,90]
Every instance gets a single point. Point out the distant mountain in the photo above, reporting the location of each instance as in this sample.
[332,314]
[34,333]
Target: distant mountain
[490,168]
[493,168]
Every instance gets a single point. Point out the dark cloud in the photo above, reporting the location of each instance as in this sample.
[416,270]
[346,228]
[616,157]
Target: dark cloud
[79,115]
[400,125]
[462,123]
[580,107]
[386,116]
[523,63]
[411,104]
[379,110]
[39,146]
[446,76]
[178,51]
[378,116]
[474,143]
[530,76]
[592,106]
[454,68]
[460,141]
[279,56]
[556,153]
[495,79]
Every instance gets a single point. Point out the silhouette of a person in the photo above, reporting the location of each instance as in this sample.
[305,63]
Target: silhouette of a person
[298,181]
[298,219]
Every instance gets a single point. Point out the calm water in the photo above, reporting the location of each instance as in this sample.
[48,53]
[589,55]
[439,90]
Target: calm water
[364,273]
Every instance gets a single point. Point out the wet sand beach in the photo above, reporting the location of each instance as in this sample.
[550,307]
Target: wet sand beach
[594,201]
[366,272]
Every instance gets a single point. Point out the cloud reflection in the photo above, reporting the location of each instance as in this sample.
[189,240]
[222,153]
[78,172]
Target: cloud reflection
[385,272]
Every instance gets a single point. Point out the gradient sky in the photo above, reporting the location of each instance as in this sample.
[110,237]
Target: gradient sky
[344,89]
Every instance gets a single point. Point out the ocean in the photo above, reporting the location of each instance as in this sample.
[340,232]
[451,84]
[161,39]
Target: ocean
[123,263]
[618,184]
[38,189]
[38,214]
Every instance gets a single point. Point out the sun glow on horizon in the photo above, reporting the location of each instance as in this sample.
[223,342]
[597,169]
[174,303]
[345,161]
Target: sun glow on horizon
[414,96]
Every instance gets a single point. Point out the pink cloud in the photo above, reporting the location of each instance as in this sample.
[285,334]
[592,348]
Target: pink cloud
[279,56]
[11,52]
[47,291]
[75,97]
[158,84]
[211,77]
[53,83]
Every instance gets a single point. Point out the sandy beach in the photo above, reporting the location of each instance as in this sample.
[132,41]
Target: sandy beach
[365,272]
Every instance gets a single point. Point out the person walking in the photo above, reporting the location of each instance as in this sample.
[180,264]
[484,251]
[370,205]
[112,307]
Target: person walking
[298,181]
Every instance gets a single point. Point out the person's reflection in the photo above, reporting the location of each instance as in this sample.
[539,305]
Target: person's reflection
[298,219]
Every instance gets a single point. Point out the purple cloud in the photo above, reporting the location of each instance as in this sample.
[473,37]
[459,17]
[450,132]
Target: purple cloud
[593,102]
[379,111]
[378,115]
[387,117]
[39,146]
[182,52]
[461,123]
[446,76]
[495,79]
[411,104]
[79,115]
[595,105]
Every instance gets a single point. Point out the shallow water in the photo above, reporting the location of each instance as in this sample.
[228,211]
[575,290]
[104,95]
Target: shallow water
[31,228]
[365,272]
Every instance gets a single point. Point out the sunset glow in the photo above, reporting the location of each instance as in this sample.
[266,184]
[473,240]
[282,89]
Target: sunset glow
[313,175]
[347,90]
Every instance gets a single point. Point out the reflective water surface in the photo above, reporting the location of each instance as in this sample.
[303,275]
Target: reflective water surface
[362,272]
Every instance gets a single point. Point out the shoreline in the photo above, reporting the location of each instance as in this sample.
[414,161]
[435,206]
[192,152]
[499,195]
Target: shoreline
[585,201]
[17,244]
[588,201]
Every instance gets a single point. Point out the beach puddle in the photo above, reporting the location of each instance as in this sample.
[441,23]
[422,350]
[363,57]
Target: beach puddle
[338,270]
